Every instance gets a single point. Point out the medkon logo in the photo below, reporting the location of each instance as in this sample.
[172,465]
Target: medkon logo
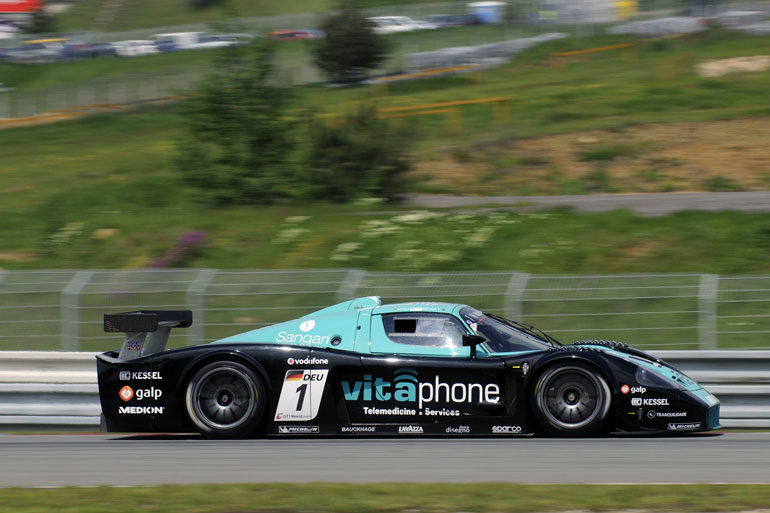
[410,429]
[406,387]
[506,429]
[141,410]
[127,375]
[307,361]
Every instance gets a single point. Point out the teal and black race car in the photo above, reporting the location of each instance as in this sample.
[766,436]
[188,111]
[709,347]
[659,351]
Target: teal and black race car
[364,368]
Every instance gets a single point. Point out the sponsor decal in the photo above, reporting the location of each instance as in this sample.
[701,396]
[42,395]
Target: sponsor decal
[148,393]
[307,361]
[307,326]
[126,393]
[139,375]
[299,338]
[506,429]
[410,430]
[679,427]
[667,413]
[651,414]
[358,429]
[389,411]
[406,387]
[655,402]
[298,430]
[636,401]
[625,389]
[458,430]
[133,345]
[524,369]
[301,395]
[141,410]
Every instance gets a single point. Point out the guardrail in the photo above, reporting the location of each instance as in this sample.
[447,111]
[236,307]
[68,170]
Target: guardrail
[55,390]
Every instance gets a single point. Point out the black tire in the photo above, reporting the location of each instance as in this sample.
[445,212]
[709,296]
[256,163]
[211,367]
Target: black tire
[571,399]
[225,399]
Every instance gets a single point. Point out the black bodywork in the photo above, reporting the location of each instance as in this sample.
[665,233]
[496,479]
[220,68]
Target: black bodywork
[355,394]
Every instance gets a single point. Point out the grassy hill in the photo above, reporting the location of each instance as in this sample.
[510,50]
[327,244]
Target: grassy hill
[103,192]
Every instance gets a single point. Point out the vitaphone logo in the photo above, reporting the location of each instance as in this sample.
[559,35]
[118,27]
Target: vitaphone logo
[407,388]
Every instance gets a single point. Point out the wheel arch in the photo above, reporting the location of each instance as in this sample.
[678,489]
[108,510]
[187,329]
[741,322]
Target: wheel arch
[224,355]
[595,362]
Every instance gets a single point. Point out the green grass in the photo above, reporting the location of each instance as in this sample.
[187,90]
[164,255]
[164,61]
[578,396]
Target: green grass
[386,498]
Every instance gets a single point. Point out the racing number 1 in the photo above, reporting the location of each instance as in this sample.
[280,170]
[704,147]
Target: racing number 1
[301,395]
[301,391]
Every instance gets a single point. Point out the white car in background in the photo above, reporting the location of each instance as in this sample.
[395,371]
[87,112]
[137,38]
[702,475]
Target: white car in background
[135,48]
[394,24]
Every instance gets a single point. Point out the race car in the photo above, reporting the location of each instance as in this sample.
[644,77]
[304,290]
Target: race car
[366,368]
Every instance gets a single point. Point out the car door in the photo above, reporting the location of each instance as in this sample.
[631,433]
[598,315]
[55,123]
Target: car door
[419,375]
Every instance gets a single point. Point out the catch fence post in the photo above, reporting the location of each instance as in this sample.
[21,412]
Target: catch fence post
[514,295]
[707,311]
[196,302]
[70,310]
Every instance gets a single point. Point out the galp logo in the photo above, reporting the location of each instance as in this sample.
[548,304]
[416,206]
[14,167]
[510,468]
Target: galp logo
[126,393]
[625,389]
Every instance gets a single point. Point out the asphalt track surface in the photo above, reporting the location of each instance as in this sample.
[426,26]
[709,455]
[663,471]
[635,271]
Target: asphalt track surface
[100,459]
[648,205]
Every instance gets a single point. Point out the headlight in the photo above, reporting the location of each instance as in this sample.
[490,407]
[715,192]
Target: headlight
[650,378]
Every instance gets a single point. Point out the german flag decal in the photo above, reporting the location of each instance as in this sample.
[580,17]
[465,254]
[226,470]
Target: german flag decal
[294,375]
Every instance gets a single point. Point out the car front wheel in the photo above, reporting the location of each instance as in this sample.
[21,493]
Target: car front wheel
[225,399]
[571,400]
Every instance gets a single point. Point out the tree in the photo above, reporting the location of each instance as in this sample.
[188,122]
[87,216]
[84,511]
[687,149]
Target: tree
[357,157]
[351,48]
[238,139]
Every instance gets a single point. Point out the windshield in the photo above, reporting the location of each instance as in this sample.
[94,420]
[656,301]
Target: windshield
[501,335]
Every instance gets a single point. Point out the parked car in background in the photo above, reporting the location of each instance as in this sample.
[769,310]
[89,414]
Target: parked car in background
[36,50]
[453,20]
[395,24]
[174,41]
[292,35]
[135,48]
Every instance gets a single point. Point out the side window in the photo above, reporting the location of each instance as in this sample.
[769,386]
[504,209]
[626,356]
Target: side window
[423,329]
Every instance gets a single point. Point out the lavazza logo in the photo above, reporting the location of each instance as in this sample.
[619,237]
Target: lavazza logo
[407,388]
[410,430]
[307,361]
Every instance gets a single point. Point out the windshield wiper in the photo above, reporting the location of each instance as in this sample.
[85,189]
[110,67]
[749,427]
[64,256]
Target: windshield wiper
[526,328]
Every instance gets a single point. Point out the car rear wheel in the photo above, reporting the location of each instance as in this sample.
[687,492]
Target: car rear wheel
[225,399]
[571,400]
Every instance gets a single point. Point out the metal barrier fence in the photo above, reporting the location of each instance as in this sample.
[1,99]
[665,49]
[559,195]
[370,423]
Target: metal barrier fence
[62,310]
[54,390]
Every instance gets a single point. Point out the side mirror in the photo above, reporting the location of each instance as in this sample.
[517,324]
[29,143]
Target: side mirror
[472,341]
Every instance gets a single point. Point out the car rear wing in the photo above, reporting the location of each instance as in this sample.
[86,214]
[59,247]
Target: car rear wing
[136,325]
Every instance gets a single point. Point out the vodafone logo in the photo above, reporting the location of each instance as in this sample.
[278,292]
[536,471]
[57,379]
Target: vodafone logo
[290,361]
[126,393]
[307,326]
[625,389]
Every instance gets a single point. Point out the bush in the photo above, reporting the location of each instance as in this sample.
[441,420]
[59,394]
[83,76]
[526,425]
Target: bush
[351,48]
[238,140]
[360,156]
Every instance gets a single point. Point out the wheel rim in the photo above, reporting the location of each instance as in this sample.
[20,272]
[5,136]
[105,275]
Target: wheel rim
[224,398]
[571,397]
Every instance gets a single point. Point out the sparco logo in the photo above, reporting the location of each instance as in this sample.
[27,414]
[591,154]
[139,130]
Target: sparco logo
[459,430]
[141,410]
[307,361]
[410,429]
[506,429]
[406,387]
